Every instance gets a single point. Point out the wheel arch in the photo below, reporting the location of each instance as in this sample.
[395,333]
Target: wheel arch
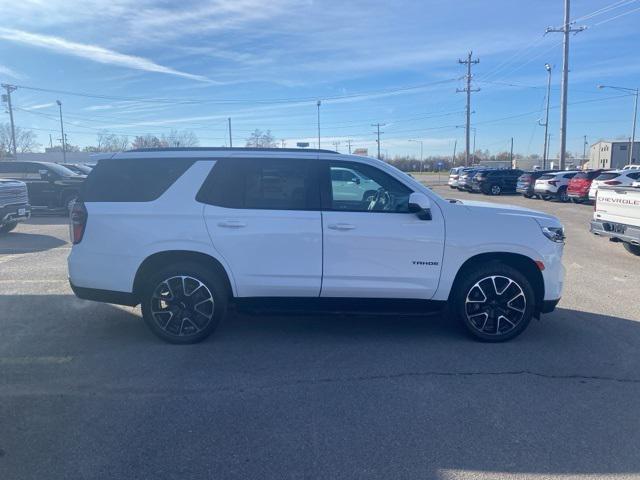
[159,259]
[520,262]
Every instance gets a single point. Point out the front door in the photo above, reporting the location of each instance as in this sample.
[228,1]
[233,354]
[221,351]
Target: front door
[263,217]
[373,246]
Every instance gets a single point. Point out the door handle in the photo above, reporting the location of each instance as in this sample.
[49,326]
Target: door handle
[232,224]
[341,226]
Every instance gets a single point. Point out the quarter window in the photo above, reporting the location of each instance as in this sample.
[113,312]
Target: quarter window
[364,189]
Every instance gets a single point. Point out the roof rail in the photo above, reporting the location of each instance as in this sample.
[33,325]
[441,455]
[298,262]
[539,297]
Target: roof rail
[229,149]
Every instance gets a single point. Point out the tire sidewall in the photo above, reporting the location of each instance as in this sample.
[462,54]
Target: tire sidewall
[208,277]
[495,190]
[471,277]
[632,249]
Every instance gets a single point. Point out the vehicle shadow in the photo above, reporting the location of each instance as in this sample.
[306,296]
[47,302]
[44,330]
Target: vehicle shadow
[18,242]
[277,396]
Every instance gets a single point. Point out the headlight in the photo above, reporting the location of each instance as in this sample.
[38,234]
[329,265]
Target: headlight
[555,234]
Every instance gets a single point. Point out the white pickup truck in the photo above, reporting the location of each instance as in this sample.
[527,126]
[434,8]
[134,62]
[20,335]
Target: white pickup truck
[617,216]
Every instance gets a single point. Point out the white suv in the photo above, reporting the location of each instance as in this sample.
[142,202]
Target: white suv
[620,178]
[554,185]
[185,232]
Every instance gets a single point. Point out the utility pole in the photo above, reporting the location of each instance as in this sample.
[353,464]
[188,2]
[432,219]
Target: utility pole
[50,141]
[511,153]
[453,158]
[230,136]
[336,144]
[468,62]
[62,136]
[632,139]
[378,125]
[565,30]
[584,149]
[318,105]
[474,144]
[349,143]
[9,89]
[546,120]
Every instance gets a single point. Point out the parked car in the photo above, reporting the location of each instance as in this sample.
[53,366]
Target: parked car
[526,182]
[579,185]
[50,185]
[633,166]
[464,182]
[613,178]
[184,232]
[14,204]
[79,168]
[496,182]
[617,215]
[553,185]
[454,176]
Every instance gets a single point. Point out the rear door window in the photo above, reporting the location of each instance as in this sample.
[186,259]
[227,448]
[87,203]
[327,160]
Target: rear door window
[263,184]
[608,176]
[132,179]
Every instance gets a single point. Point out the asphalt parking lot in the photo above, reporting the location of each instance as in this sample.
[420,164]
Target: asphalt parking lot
[86,391]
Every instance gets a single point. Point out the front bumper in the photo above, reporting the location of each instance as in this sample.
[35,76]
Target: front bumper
[15,213]
[617,231]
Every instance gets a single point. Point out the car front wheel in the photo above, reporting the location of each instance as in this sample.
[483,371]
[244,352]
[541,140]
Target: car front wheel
[495,190]
[495,302]
[633,249]
[7,227]
[183,303]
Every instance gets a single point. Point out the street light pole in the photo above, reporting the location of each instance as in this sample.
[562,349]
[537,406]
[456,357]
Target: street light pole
[64,143]
[632,139]
[318,104]
[421,144]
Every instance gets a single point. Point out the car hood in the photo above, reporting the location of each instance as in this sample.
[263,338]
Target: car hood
[493,208]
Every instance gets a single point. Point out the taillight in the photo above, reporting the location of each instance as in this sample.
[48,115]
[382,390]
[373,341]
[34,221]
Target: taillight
[77,221]
[612,182]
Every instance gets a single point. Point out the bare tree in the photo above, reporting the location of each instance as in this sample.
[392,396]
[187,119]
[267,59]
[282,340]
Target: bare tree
[25,140]
[148,141]
[109,142]
[260,139]
[181,138]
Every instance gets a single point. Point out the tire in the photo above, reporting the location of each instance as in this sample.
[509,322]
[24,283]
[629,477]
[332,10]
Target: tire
[562,196]
[527,195]
[68,200]
[546,198]
[508,306]
[632,249]
[7,227]
[199,296]
[495,190]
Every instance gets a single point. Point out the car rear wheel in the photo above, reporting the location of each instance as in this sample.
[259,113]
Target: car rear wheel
[495,190]
[633,249]
[7,227]
[184,303]
[527,195]
[495,302]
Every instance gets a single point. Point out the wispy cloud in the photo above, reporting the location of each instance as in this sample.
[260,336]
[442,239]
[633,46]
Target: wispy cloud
[9,72]
[93,53]
[39,106]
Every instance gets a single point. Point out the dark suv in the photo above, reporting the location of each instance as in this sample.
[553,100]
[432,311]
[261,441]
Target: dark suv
[496,182]
[527,181]
[50,185]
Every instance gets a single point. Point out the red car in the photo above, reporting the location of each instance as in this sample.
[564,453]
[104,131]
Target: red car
[578,188]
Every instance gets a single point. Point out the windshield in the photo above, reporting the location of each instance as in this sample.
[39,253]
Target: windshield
[60,170]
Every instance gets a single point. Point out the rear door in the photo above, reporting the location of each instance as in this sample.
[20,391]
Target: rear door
[373,246]
[263,217]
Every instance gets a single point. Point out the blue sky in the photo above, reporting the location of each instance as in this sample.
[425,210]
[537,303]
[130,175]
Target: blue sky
[149,66]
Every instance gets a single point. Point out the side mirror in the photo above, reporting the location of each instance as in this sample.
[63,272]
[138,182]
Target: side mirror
[420,204]
[44,174]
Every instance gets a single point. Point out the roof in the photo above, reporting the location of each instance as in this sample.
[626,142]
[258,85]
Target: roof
[230,149]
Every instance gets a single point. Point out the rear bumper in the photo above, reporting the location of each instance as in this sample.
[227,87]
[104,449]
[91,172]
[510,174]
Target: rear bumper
[525,190]
[105,296]
[15,213]
[545,190]
[617,231]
